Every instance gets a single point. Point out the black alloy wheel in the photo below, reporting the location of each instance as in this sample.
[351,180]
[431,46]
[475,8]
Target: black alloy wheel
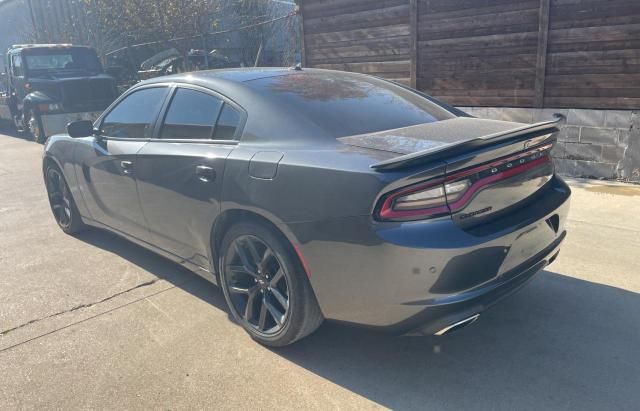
[61,201]
[265,285]
[257,284]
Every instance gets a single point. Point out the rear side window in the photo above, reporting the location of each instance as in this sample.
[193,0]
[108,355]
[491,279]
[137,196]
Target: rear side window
[135,115]
[191,116]
[228,123]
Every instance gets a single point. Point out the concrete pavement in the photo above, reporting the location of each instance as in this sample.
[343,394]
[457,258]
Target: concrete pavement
[97,322]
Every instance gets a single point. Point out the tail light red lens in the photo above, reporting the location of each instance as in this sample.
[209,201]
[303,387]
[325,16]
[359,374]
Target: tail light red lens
[452,193]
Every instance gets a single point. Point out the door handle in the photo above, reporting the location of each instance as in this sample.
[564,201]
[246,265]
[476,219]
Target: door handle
[205,174]
[127,167]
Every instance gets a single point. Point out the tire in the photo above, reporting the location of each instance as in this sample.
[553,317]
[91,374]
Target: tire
[35,128]
[258,265]
[61,201]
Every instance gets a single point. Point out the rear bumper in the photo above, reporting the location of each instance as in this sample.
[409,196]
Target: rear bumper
[420,275]
[456,308]
[57,123]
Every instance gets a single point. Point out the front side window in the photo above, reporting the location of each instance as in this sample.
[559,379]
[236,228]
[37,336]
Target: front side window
[17,66]
[135,115]
[191,116]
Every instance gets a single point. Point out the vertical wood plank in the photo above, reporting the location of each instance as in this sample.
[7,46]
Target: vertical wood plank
[303,54]
[413,42]
[541,62]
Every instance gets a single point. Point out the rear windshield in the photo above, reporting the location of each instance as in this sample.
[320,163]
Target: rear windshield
[346,104]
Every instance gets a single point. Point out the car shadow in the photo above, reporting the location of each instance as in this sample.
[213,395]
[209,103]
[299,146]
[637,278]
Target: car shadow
[560,343]
[157,265]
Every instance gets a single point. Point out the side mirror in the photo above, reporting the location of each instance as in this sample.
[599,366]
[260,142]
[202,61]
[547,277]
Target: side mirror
[80,128]
[114,71]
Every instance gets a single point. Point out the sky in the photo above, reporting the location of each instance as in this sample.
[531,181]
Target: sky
[13,19]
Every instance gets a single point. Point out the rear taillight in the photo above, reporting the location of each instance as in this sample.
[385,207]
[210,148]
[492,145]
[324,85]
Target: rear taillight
[446,195]
[423,201]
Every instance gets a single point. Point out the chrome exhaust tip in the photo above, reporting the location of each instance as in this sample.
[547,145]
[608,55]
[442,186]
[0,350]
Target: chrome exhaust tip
[460,324]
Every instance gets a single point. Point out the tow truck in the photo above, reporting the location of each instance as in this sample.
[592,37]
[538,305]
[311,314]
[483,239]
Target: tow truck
[47,86]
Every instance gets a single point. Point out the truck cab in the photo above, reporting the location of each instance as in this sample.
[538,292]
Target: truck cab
[50,85]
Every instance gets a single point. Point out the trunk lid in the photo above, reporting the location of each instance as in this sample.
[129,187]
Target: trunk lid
[505,164]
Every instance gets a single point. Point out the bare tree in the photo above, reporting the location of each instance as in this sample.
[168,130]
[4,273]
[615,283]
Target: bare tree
[256,38]
[151,20]
[114,24]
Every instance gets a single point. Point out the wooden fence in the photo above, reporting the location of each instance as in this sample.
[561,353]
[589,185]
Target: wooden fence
[512,53]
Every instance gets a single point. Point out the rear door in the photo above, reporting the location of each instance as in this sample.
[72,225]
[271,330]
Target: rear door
[108,163]
[180,172]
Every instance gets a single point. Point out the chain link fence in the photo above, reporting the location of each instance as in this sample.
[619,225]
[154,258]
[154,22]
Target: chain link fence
[159,38]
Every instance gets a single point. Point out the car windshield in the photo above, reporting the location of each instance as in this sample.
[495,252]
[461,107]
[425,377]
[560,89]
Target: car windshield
[50,60]
[346,104]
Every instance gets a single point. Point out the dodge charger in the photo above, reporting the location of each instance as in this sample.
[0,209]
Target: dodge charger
[312,194]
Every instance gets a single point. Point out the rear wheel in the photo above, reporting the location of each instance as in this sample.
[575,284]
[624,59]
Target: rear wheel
[62,204]
[265,286]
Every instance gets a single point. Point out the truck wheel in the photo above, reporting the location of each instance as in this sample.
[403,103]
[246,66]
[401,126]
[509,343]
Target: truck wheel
[36,129]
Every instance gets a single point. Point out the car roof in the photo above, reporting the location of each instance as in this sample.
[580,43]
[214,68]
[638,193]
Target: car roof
[241,75]
[268,118]
[236,84]
[214,77]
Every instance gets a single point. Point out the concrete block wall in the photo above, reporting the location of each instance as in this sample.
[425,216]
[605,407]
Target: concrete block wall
[601,144]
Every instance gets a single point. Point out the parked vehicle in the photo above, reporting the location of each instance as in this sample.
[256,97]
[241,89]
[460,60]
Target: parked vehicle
[49,85]
[171,61]
[313,194]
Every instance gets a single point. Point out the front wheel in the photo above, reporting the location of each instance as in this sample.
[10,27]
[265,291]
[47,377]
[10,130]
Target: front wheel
[265,286]
[35,128]
[64,208]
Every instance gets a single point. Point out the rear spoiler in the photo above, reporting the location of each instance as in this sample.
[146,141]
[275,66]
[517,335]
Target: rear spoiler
[457,148]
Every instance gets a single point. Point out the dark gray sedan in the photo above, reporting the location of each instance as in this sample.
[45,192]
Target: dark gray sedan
[312,194]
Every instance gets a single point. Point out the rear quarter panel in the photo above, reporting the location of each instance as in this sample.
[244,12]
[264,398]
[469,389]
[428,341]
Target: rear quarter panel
[309,184]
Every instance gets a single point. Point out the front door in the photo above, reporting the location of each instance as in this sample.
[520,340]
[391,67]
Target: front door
[108,166]
[180,173]
[18,79]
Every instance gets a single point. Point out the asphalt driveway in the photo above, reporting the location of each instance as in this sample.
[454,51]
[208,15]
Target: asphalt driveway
[97,322]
